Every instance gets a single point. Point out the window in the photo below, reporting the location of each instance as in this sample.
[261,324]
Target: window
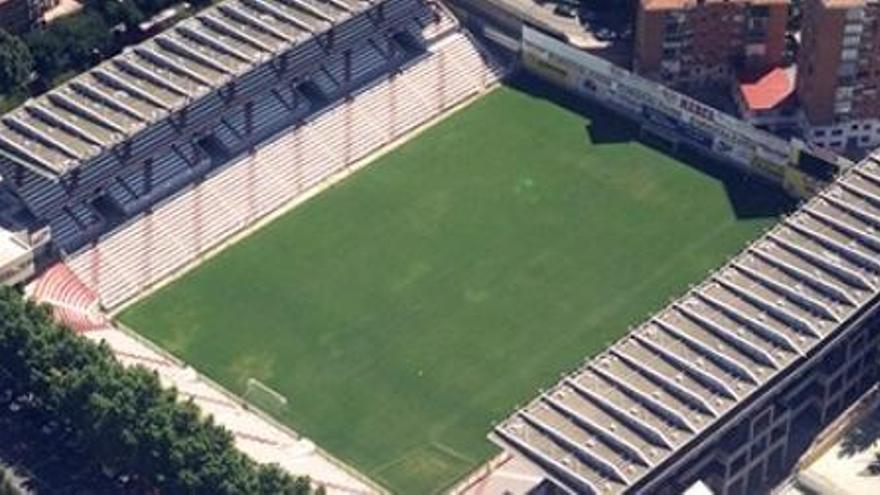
[852,370]
[756,50]
[851,393]
[759,11]
[762,422]
[853,29]
[844,93]
[851,41]
[738,464]
[777,433]
[759,447]
[856,14]
[849,54]
[847,70]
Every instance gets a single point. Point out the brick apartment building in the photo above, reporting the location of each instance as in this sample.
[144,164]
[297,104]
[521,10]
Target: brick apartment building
[839,73]
[20,16]
[679,42]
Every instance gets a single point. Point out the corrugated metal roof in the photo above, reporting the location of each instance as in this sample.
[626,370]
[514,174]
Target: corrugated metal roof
[57,132]
[605,426]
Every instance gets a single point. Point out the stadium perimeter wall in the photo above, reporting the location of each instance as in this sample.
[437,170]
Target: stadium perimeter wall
[674,117]
[670,115]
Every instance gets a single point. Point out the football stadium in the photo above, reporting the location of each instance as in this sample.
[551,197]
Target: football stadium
[406,291]
[364,238]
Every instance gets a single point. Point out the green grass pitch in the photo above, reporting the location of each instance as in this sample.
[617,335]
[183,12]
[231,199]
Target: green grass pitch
[404,310]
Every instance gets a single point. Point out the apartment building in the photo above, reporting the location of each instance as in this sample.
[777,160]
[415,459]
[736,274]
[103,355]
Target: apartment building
[679,42]
[839,73]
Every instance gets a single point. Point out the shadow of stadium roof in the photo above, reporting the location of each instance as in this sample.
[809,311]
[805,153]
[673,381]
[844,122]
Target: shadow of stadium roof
[148,82]
[604,427]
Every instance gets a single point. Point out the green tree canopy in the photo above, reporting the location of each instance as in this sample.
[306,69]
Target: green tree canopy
[16,63]
[70,400]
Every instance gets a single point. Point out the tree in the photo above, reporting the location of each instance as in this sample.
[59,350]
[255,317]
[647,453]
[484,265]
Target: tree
[48,51]
[100,427]
[126,12]
[88,39]
[16,63]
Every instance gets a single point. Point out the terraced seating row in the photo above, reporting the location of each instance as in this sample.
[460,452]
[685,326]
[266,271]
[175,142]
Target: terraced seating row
[75,224]
[185,227]
[130,107]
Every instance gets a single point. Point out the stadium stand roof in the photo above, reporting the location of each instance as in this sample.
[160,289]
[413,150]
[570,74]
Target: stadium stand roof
[57,132]
[604,427]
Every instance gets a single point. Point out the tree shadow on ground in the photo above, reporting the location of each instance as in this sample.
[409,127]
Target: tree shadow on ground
[862,437]
[865,435]
[750,196]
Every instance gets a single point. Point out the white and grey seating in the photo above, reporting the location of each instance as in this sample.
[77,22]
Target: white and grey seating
[288,166]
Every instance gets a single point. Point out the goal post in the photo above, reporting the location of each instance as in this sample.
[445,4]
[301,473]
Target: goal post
[264,397]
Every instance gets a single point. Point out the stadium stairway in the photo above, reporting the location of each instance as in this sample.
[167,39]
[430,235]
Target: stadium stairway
[182,229]
[73,304]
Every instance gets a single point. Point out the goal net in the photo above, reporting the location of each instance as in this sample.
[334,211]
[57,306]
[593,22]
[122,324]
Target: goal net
[264,397]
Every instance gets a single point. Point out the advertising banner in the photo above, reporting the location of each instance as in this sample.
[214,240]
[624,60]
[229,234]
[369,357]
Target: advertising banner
[690,119]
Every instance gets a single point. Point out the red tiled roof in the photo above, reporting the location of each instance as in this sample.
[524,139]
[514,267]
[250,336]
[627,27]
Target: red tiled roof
[768,91]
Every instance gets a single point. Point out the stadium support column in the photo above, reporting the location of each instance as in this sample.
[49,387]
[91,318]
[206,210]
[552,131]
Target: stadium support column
[331,39]
[282,64]
[393,53]
[249,117]
[19,175]
[148,175]
[74,178]
[346,57]
[295,95]
[198,152]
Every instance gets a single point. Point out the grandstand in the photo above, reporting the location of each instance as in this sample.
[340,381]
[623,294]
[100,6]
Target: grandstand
[180,229]
[727,383]
[116,141]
